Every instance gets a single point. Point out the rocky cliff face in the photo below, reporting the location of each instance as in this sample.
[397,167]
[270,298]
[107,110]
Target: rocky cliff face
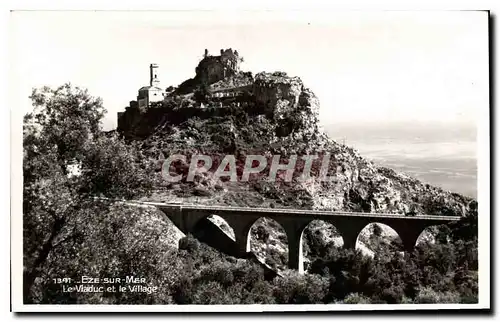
[277,91]
[269,114]
[274,114]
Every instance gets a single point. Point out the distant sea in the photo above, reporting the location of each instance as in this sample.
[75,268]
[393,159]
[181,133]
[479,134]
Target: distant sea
[441,155]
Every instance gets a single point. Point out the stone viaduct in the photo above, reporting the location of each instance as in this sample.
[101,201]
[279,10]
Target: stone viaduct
[186,217]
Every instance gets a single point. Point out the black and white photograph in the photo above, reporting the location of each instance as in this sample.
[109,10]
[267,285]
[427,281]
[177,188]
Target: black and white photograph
[249,161]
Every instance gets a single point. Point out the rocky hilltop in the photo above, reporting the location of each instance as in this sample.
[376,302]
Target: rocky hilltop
[225,110]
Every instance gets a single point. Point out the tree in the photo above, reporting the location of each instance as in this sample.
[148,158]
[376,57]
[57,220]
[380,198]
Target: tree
[67,160]
[202,92]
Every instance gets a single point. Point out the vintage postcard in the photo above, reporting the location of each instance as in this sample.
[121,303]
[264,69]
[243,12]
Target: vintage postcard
[245,161]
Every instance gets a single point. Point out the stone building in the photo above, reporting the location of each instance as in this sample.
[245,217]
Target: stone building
[153,92]
[230,60]
[215,68]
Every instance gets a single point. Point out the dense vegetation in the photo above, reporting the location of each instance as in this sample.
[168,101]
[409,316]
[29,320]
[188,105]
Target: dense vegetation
[444,272]
[67,161]
[68,234]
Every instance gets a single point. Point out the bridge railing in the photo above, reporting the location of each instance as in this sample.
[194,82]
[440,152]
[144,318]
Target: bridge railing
[277,211]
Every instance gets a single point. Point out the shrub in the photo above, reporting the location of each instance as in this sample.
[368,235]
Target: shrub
[218,272]
[260,293]
[355,298]
[189,243]
[182,291]
[428,295]
[300,289]
[392,295]
[212,293]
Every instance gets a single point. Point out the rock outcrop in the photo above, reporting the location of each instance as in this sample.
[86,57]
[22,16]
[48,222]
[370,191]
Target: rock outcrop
[273,113]
[277,91]
[223,110]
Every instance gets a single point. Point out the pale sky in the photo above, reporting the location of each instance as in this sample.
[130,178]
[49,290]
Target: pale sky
[377,67]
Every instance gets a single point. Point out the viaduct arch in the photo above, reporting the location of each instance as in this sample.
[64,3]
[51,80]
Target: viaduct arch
[294,221]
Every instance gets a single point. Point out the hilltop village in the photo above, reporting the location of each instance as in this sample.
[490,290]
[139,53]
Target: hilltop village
[219,82]
[210,71]
[224,110]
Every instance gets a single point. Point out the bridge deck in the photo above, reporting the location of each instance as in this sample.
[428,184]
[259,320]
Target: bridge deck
[288,211]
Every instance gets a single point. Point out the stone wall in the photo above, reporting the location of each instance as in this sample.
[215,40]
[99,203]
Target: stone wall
[212,69]
[275,90]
